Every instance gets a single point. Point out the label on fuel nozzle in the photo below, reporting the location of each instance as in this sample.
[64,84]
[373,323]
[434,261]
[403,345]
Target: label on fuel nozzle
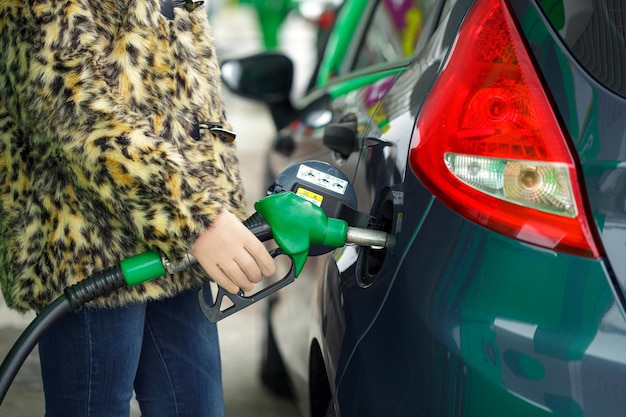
[322,179]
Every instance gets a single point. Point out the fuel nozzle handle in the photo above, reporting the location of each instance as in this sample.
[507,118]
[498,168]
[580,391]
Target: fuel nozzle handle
[296,224]
[259,227]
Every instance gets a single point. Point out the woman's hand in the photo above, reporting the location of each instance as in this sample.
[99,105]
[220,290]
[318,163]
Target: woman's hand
[231,254]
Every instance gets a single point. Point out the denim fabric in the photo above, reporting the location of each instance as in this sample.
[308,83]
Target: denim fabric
[166,351]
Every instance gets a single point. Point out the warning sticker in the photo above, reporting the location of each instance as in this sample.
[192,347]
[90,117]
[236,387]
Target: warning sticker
[322,179]
[310,196]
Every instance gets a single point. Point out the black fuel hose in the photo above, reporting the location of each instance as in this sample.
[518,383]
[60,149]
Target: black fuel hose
[28,340]
[74,298]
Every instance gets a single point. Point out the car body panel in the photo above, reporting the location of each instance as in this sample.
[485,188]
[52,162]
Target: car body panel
[467,334]
[595,119]
[471,327]
[455,319]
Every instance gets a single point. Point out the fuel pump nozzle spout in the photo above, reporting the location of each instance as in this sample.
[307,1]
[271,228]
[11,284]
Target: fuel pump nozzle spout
[370,237]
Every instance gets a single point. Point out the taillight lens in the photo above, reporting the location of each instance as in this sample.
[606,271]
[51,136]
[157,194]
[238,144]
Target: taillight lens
[488,144]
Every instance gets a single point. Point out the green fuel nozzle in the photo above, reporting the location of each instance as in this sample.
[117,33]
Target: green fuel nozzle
[297,224]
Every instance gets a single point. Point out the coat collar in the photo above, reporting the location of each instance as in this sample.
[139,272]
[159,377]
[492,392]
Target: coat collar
[167,6]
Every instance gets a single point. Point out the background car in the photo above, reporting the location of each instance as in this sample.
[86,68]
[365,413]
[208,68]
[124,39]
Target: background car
[489,137]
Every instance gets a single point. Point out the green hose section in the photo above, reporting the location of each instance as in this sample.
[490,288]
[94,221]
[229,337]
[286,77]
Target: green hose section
[143,267]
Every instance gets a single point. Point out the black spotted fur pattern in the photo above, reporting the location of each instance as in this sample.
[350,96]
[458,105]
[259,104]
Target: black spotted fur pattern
[96,164]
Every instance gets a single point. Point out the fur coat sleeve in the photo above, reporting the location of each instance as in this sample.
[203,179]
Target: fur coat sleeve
[98,161]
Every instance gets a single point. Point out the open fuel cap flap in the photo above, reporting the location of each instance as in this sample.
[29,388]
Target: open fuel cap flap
[323,185]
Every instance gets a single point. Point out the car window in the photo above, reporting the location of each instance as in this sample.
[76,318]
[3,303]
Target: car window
[394,31]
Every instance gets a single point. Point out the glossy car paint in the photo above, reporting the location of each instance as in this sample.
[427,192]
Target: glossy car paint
[463,321]
[457,320]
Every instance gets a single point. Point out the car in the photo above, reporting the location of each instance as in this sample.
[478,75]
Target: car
[489,138]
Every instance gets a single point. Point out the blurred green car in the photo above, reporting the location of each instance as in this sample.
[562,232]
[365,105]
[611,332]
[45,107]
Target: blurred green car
[489,137]
[271,15]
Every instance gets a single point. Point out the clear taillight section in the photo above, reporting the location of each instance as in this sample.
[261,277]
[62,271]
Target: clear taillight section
[488,144]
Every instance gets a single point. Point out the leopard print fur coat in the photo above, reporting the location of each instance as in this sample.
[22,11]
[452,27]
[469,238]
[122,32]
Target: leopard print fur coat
[98,160]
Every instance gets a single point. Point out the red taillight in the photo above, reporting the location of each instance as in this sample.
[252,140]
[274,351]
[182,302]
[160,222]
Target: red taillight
[488,144]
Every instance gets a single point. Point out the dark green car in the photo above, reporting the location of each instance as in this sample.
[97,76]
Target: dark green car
[489,137]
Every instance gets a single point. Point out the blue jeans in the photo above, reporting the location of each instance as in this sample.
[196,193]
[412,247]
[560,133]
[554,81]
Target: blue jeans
[166,351]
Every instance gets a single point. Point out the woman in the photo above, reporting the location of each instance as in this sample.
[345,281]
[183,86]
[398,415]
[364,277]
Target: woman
[114,141]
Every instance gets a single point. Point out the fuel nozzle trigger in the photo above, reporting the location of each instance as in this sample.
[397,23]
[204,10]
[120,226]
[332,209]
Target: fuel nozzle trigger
[215,311]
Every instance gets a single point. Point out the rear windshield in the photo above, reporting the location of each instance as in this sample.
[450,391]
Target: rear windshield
[594,31]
